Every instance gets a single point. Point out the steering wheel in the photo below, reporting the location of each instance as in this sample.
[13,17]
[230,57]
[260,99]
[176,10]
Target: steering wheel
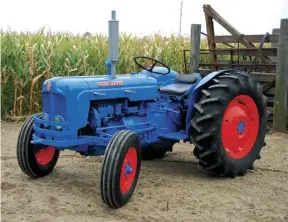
[154,63]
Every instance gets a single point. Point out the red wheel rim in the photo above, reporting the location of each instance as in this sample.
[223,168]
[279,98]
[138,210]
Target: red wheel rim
[240,126]
[128,170]
[45,155]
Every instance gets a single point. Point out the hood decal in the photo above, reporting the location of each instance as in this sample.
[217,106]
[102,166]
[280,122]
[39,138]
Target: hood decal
[111,83]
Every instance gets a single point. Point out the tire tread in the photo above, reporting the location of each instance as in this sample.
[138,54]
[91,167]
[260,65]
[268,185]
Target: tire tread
[206,117]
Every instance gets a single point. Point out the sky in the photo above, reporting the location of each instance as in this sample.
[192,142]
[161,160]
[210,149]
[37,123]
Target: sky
[139,17]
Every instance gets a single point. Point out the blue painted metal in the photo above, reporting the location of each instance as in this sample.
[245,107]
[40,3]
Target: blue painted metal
[128,169]
[241,127]
[177,136]
[94,108]
[108,63]
[82,113]
[161,78]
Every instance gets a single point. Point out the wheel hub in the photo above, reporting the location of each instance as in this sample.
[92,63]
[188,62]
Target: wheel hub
[240,126]
[128,170]
[45,155]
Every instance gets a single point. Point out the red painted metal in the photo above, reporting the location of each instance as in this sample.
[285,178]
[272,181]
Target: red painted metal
[128,170]
[44,156]
[48,86]
[240,126]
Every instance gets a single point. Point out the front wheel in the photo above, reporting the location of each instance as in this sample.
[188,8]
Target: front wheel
[228,125]
[34,160]
[120,169]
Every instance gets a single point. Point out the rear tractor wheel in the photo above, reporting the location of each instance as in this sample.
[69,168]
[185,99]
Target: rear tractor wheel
[34,160]
[228,125]
[120,169]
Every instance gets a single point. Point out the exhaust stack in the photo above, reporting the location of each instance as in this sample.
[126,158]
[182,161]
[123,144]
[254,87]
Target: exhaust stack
[113,44]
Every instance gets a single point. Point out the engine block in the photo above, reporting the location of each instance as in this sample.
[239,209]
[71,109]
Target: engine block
[107,117]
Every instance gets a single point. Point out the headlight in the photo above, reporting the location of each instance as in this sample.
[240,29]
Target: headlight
[45,117]
[59,118]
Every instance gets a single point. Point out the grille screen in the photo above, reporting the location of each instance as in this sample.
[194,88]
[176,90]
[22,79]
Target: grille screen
[54,104]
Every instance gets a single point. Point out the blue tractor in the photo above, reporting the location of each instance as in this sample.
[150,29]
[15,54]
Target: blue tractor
[141,115]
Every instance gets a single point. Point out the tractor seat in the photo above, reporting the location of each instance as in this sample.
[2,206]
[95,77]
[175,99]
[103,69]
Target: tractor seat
[187,78]
[178,87]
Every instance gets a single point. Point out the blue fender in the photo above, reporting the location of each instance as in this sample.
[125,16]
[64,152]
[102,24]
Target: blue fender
[195,92]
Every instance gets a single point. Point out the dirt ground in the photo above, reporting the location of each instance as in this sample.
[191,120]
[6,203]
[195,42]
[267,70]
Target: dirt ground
[172,189]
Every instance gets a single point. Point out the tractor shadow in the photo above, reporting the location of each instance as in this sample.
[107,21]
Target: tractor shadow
[77,178]
[177,167]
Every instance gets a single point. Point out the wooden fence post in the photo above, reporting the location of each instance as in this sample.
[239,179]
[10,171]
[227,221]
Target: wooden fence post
[281,90]
[195,47]
[211,43]
[275,31]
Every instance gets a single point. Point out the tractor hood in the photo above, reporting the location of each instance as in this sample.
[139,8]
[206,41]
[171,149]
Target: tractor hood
[132,86]
[63,85]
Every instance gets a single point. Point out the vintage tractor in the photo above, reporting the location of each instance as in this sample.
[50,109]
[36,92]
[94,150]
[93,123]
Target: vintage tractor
[141,115]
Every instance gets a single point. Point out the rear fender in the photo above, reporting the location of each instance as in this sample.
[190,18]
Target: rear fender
[196,92]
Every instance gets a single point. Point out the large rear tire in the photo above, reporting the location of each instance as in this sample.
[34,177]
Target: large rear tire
[34,160]
[229,124]
[120,169]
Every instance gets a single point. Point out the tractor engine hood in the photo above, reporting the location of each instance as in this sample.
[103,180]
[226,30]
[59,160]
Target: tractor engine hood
[133,86]
[65,85]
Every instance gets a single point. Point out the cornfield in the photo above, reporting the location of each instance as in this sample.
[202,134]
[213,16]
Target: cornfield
[27,59]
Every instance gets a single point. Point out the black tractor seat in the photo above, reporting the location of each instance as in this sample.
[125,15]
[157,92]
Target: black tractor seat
[182,84]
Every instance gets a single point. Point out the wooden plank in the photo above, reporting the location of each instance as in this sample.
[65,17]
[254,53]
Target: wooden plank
[269,85]
[209,11]
[270,101]
[195,47]
[241,67]
[210,39]
[244,62]
[281,92]
[263,77]
[270,92]
[275,44]
[242,51]
[250,38]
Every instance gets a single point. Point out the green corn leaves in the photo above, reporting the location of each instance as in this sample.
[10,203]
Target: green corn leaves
[30,58]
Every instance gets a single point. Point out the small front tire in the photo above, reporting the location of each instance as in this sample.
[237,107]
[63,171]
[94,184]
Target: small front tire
[120,169]
[34,160]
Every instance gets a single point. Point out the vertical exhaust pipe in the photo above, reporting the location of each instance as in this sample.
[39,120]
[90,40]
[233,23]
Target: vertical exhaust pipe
[113,44]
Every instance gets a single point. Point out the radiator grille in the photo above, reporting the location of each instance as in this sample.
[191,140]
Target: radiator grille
[54,104]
